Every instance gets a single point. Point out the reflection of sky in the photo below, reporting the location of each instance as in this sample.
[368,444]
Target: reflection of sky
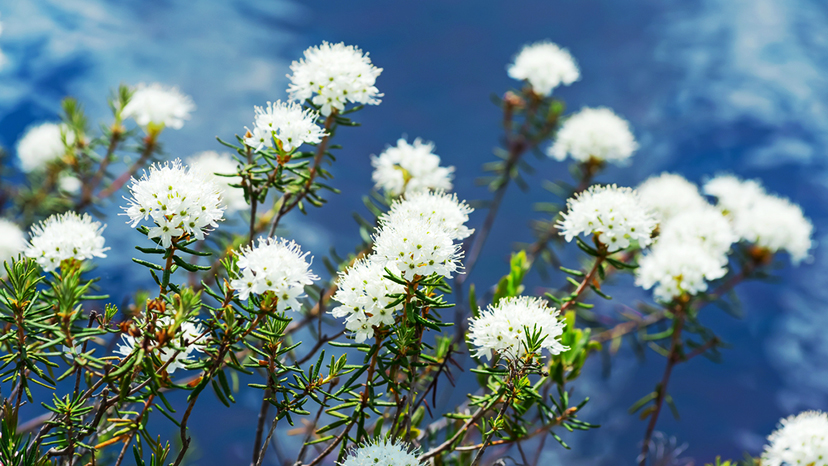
[708,86]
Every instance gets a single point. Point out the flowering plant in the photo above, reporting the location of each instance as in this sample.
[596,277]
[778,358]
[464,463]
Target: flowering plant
[236,302]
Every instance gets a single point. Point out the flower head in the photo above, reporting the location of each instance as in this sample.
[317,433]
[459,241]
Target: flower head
[706,225]
[669,195]
[382,452]
[363,293]
[42,144]
[502,327]
[65,236]
[288,122]
[416,246]
[177,199]
[156,106]
[213,163]
[799,440]
[615,214]
[594,134]
[440,208]
[274,265]
[331,75]
[767,221]
[544,66]
[407,168]
[676,268]
[13,243]
[70,184]
[188,340]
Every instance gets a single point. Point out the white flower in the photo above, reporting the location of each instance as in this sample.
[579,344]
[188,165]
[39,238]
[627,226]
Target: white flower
[188,339]
[13,243]
[407,168]
[768,221]
[706,225]
[363,293]
[70,184]
[215,164]
[288,122]
[544,66]
[42,144]
[675,268]
[156,106]
[669,195]
[594,134]
[65,236]
[382,452]
[177,199]
[501,328]
[439,208]
[332,75]
[75,350]
[615,214]
[799,440]
[275,265]
[416,246]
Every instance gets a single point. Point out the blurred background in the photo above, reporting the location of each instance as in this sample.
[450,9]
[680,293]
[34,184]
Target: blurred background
[709,86]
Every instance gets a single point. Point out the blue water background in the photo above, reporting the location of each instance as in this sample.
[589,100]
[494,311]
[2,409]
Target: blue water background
[708,86]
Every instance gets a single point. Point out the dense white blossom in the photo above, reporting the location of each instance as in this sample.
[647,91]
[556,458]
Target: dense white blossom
[13,242]
[675,268]
[616,215]
[768,221]
[544,66]
[407,168]
[188,340]
[416,246]
[363,293]
[799,440]
[439,208]
[42,144]
[288,122]
[70,184]
[274,265]
[156,106]
[332,75]
[669,194]
[65,236]
[501,327]
[382,452]
[177,199]
[706,225]
[215,164]
[596,134]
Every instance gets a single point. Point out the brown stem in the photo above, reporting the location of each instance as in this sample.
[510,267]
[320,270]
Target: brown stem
[149,148]
[588,280]
[89,188]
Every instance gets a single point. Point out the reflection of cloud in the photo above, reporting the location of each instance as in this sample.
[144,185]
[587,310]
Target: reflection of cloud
[224,54]
[781,151]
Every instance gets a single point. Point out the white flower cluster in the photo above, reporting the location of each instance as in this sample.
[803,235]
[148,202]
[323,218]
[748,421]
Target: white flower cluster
[422,242]
[177,199]
[363,292]
[544,66]
[187,341]
[65,236]
[675,268]
[156,106]
[669,195]
[382,452]
[799,440]
[501,328]
[594,134]
[407,168]
[42,144]
[287,122]
[616,215]
[331,75]
[704,225]
[416,237]
[768,221]
[213,163]
[13,243]
[277,266]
